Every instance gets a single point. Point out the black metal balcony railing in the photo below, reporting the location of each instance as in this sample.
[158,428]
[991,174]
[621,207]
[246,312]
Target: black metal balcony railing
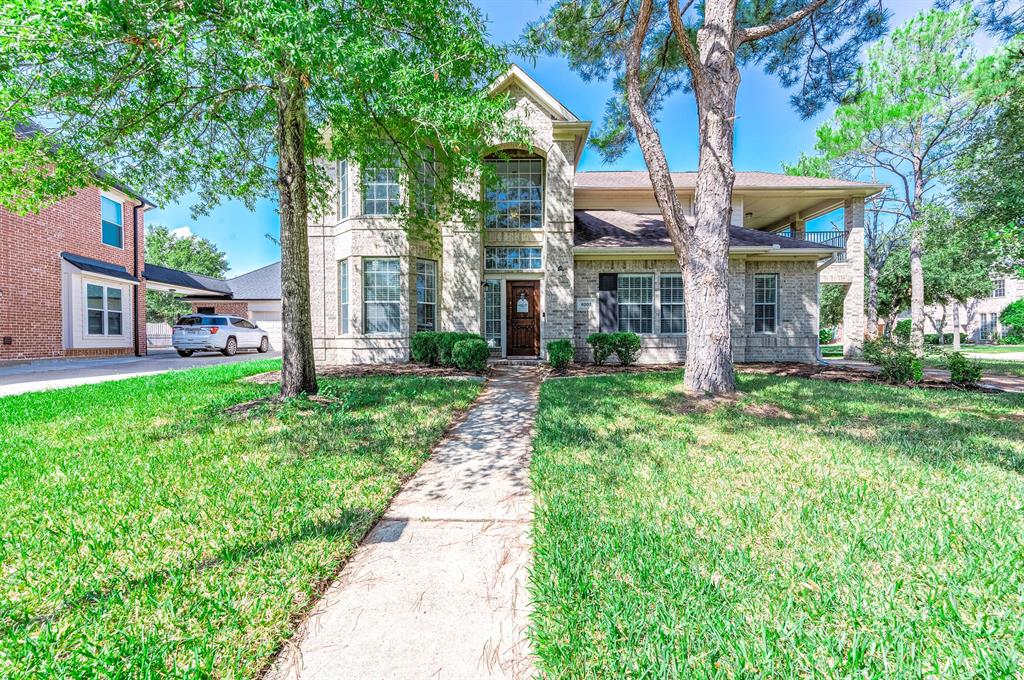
[835,239]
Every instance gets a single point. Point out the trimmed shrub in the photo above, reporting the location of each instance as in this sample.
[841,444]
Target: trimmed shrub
[602,346]
[470,353]
[560,354]
[446,345]
[1012,340]
[902,330]
[424,348]
[826,335]
[947,338]
[963,371]
[1012,316]
[898,363]
[627,347]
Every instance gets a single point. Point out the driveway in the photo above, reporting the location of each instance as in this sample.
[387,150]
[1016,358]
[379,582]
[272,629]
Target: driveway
[48,374]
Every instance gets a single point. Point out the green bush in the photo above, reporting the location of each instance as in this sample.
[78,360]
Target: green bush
[627,347]
[1013,317]
[446,345]
[560,354]
[902,330]
[963,371]
[826,335]
[424,347]
[601,344]
[470,353]
[1012,339]
[898,363]
[947,338]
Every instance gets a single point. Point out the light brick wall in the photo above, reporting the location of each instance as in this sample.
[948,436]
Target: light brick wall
[796,337]
[31,300]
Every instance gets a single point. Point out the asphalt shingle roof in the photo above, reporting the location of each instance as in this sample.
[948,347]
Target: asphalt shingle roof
[88,264]
[640,179]
[619,229]
[260,284]
[176,277]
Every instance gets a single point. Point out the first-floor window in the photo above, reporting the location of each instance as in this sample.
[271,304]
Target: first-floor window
[343,296]
[766,302]
[636,303]
[989,326]
[426,295]
[673,304]
[492,313]
[103,309]
[382,295]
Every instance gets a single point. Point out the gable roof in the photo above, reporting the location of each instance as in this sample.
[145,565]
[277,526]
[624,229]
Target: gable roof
[640,179]
[515,75]
[619,229]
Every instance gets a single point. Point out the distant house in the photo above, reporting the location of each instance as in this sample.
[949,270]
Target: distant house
[979,319]
[255,295]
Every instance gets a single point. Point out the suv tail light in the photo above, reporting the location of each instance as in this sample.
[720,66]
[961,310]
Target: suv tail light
[213,330]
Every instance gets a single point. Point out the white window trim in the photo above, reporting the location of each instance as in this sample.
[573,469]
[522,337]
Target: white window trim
[432,263]
[125,296]
[120,201]
[754,303]
[344,307]
[543,196]
[363,199]
[401,295]
[520,247]
[661,304]
[655,312]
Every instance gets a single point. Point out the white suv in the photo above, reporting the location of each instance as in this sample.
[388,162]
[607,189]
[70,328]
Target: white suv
[224,334]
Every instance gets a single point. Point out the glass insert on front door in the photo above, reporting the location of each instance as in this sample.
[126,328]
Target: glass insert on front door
[522,304]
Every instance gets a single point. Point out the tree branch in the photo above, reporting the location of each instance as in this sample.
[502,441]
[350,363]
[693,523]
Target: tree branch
[765,30]
[689,51]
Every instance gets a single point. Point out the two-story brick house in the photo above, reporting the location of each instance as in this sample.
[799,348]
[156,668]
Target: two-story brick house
[70,277]
[561,254]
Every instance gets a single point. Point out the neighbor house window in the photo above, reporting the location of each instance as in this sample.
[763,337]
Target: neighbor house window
[766,302]
[343,189]
[103,310]
[502,257]
[998,288]
[989,326]
[113,226]
[380,191]
[515,197]
[673,304]
[636,303]
[343,296]
[382,295]
[426,182]
[426,295]
[492,313]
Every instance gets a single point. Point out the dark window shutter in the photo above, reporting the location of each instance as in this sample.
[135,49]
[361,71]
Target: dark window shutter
[608,302]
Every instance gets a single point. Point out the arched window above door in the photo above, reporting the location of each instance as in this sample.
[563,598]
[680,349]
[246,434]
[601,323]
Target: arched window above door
[515,198]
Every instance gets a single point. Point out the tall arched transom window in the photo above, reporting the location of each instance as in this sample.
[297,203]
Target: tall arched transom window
[515,200]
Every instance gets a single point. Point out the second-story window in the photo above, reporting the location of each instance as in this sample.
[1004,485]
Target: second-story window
[381,194]
[998,288]
[515,198]
[343,189]
[113,226]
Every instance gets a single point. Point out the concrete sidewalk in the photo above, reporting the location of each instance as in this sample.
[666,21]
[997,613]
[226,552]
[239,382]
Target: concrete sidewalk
[438,588]
[48,374]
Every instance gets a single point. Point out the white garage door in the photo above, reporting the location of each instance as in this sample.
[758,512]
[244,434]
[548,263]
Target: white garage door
[271,323]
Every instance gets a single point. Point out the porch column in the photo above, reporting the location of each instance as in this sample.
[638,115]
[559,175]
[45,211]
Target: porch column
[799,227]
[853,302]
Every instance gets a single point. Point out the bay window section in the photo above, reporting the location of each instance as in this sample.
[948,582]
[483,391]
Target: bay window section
[382,295]
[343,309]
[766,302]
[426,295]
[381,195]
[636,303]
[492,313]
[514,196]
[673,304]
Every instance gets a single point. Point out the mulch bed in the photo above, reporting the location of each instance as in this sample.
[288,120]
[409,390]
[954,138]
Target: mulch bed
[368,370]
[582,370]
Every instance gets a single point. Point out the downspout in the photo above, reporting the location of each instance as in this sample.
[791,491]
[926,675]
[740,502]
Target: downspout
[135,273]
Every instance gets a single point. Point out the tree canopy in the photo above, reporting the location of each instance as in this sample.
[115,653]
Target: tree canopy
[188,253]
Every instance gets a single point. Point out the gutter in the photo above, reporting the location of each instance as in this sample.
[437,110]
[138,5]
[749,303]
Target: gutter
[826,262]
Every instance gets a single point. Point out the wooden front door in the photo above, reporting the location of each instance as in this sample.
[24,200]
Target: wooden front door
[523,318]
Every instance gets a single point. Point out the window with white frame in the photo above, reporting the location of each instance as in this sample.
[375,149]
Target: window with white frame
[989,326]
[673,304]
[636,303]
[766,302]
[343,296]
[382,295]
[492,313]
[103,310]
[515,197]
[426,295]
[426,183]
[381,195]
[515,258]
[998,288]
[343,189]
[112,222]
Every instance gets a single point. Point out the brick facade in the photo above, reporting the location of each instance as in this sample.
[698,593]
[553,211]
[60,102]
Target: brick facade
[228,307]
[32,314]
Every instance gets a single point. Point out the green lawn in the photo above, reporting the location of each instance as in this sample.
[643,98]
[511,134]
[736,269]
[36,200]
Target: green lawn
[147,534]
[812,529]
[992,349]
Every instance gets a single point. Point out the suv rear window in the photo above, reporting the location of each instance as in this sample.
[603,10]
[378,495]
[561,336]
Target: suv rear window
[202,321]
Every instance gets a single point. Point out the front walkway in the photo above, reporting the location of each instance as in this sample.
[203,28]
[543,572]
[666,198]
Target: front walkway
[438,588]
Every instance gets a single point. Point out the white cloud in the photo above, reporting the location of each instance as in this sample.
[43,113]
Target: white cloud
[182,232]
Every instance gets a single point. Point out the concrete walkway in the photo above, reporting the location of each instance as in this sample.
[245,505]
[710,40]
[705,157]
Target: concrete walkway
[438,588]
[49,374]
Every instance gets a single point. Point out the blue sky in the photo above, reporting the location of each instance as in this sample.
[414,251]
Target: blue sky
[768,133]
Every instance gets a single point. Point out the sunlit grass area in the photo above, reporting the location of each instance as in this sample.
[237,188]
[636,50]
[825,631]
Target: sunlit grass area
[147,534]
[810,529]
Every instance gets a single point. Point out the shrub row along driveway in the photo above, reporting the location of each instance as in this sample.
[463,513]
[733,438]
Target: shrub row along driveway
[809,528]
[145,532]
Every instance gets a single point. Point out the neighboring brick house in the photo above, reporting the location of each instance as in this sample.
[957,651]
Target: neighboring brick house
[979,319]
[563,253]
[70,280]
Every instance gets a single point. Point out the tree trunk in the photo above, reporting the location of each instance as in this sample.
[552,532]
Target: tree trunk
[298,371]
[916,292]
[956,326]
